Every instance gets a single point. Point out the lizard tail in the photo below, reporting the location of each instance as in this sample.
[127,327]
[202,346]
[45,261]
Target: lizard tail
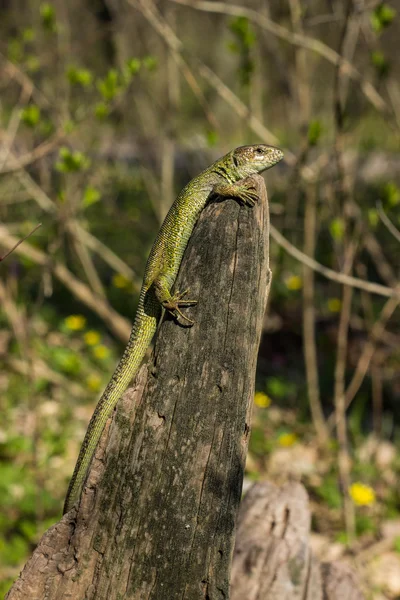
[142,333]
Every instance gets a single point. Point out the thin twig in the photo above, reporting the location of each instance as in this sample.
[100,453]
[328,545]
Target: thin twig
[115,322]
[294,38]
[39,152]
[345,200]
[387,222]
[343,278]
[309,344]
[20,242]
[367,354]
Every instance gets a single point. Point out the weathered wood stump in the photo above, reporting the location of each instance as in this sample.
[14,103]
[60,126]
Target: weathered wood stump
[157,516]
[273,560]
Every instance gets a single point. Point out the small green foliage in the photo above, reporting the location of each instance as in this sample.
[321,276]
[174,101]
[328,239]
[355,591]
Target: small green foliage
[396,544]
[32,63]
[373,217]
[65,360]
[314,132]
[133,65]
[242,29]
[212,137]
[258,442]
[101,111]
[90,196]
[28,35]
[110,85]
[70,162]
[150,63]
[382,16]
[391,194]
[380,63]
[48,16]
[329,492]
[364,524]
[15,50]
[245,38]
[69,126]
[30,115]
[278,387]
[342,537]
[337,229]
[82,77]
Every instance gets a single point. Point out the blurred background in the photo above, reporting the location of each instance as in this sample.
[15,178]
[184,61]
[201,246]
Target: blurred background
[107,109]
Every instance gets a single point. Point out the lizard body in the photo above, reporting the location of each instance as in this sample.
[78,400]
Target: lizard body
[227,178]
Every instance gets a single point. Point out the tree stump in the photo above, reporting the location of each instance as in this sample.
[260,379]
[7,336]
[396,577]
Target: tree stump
[273,560]
[157,515]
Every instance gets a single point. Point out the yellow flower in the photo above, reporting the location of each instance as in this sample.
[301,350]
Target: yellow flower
[294,283]
[287,439]
[101,352]
[93,382]
[262,400]
[120,281]
[75,322]
[334,305]
[361,494]
[92,337]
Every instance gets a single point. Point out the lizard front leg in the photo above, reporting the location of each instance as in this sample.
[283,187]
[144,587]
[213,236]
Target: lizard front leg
[170,302]
[243,190]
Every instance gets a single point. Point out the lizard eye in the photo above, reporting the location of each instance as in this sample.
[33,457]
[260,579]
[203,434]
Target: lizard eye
[259,151]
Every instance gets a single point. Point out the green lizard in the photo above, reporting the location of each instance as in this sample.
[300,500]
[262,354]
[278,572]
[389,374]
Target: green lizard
[227,177]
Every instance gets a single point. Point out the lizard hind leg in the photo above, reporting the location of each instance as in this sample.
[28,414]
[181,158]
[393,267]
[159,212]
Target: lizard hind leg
[172,303]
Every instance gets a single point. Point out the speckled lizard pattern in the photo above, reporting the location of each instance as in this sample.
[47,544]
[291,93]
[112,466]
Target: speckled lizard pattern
[227,177]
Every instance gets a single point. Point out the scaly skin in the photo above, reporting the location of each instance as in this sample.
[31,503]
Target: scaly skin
[227,178]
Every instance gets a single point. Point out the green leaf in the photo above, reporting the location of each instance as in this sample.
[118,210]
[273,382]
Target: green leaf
[101,111]
[380,63]
[391,194]
[28,35]
[82,77]
[212,137]
[242,29]
[32,63]
[278,387]
[396,544]
[373,217]
[337,229]
[70,162]
[48,15]
[15,50]
[382,16]
[90,196]
[150,62]
[30,115]
[110,86]
[314,132]
[133,65]
[329,491]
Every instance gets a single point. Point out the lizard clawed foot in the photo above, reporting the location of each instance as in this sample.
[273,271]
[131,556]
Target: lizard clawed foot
[247,193]
[175,302]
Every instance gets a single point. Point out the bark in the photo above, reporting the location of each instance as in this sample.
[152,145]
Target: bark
[273,559]
[158,513]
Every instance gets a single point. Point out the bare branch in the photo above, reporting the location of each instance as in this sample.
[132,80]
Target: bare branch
[20,242]
[387,222]
[115,322]
[372,288]
[297,39]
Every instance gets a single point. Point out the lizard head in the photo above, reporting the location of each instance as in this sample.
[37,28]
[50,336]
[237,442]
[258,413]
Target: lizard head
[249,160]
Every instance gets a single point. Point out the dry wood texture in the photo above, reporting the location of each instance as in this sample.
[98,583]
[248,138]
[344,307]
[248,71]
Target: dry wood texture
[158,513]
[273,560]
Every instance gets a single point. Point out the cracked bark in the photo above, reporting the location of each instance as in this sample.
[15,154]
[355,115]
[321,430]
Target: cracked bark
[273,559]
[157,515]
